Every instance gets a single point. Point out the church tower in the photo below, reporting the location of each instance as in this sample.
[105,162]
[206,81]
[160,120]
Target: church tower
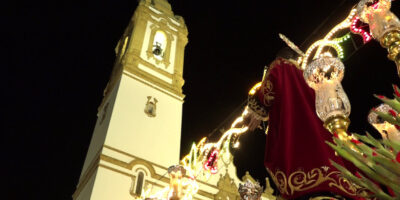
[137,133]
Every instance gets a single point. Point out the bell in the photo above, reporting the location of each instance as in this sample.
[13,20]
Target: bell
[157,50]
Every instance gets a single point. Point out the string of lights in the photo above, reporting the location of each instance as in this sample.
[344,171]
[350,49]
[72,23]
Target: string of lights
[337,41]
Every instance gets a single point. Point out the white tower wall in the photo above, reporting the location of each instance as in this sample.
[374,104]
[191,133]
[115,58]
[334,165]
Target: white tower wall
[156,139]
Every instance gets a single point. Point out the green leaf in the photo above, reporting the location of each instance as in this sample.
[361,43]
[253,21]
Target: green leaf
[391,102]
[341,152]
[357,160]
[397,98]
[348,174]
[375,142]
[363,182]
[365,139]
[375,189]
[394,180]
[365,149]
[386,153]
[388,164]
[393,144]
[387,117]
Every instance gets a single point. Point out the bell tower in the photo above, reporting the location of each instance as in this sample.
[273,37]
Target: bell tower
[138,129]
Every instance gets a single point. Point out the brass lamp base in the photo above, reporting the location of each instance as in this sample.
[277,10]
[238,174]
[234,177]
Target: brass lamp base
[391,41]
[337,123]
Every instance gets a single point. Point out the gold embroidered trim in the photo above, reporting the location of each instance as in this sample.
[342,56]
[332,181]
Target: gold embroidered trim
[324,198]
[301,181]
[267,86]
[268,94]
[258,109]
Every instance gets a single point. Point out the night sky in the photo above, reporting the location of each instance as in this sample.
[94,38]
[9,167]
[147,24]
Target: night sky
[58,57]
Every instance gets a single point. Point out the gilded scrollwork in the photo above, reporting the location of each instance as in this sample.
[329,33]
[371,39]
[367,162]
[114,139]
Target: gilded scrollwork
[280,180]
[267,86]
[267,92]
[301,181]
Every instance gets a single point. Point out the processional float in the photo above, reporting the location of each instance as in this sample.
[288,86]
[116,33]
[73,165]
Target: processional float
[323,71]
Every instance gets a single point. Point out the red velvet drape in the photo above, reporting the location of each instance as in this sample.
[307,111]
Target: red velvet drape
[296,155]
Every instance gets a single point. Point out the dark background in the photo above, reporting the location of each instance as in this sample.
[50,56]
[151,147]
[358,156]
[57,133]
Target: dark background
[58,57]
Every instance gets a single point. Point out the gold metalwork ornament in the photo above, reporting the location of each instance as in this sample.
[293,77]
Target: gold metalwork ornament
[337,123]
[227,188]
[291,44]
[301,181]
[391,41]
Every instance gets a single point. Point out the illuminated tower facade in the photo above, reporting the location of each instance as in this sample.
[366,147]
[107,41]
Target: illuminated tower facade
[138,130]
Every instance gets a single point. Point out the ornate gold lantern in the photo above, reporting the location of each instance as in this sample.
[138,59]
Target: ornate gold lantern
[176,173]
[324,75]
[384,26]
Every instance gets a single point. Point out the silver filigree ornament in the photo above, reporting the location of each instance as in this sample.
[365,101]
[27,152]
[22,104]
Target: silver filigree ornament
[374,118]
[250,191]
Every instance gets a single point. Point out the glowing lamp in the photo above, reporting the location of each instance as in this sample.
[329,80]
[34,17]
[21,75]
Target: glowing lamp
[379,17]
[176,173]
[383,24]
[386,129]
[324,75]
